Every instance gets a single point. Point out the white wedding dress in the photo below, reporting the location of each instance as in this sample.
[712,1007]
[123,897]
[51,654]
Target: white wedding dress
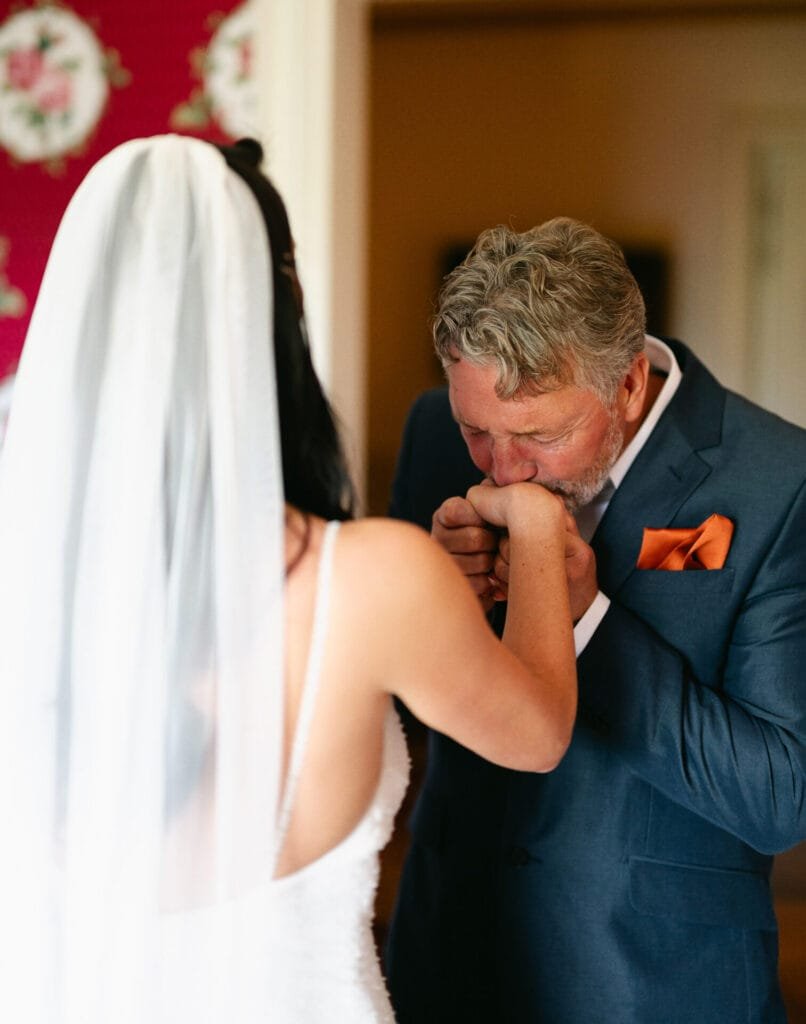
[319,964]
[142,632]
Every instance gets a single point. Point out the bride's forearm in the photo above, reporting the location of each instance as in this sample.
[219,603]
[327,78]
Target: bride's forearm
[539,628]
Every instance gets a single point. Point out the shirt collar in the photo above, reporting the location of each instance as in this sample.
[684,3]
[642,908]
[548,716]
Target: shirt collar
[661,358]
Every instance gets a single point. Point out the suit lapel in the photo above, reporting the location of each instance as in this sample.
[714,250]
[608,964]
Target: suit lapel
[650,495]
[664,475]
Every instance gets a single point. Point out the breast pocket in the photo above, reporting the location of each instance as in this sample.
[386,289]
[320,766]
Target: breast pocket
[692,610]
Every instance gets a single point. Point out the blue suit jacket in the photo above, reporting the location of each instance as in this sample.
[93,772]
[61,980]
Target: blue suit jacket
[632,883]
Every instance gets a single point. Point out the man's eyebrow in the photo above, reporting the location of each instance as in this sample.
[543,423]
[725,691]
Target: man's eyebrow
[540,432]
[536,432]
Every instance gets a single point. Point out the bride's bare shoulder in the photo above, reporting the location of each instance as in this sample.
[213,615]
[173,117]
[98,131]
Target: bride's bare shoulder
[381,545]
[387,569]
[381,533]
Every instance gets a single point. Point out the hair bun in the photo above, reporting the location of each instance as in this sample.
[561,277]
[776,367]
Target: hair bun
[251,150]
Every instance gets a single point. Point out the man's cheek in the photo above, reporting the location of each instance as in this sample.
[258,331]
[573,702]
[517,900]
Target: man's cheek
[479,452]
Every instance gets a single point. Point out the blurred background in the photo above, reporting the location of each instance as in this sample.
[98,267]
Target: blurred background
[677,128]
[398,129]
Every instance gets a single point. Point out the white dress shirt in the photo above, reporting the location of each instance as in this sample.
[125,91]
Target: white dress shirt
[661,358]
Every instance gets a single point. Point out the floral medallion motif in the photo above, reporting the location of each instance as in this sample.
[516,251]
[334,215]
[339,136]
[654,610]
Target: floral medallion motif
[54,83]
[12,300]
[228,95]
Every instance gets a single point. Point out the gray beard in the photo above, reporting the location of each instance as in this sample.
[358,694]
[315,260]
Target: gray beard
[576,494]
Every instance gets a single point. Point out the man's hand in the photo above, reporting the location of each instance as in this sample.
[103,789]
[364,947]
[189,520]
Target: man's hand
[469,540]
[523,510]
[580,568]
[580,564]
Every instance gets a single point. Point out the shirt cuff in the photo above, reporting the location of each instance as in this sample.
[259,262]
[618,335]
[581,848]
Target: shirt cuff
[589,622]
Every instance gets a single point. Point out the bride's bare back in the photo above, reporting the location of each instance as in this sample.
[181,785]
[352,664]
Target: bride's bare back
[403,621]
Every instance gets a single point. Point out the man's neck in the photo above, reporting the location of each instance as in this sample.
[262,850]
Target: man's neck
[654,384]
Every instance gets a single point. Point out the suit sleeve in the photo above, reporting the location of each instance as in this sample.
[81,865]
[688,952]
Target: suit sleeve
[400,506]
[732,750]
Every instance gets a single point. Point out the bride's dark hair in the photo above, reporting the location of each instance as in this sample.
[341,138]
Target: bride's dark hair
[315,476]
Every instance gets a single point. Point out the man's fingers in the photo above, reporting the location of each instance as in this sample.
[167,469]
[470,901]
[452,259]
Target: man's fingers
[457,527]
[477,564]
[577,548]
[485,590]
[480,582]
[457,512]
[501,569]
[580,567]
[466,540]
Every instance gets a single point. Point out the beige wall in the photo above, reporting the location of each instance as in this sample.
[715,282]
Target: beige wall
[311,84]
[635,125]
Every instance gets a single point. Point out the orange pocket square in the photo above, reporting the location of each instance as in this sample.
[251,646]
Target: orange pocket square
[704,547]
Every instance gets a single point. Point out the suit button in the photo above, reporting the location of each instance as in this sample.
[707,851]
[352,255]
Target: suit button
[518,856]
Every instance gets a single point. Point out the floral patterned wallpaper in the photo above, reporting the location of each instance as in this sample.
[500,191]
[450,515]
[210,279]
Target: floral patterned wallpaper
[80,76]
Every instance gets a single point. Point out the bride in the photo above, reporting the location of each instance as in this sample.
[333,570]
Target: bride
[199,647]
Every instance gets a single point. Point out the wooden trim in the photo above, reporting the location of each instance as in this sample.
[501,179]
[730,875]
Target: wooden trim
[458,14]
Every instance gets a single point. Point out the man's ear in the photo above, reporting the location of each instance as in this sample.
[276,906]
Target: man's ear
[632,391]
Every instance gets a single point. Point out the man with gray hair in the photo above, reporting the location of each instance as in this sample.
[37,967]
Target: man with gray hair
[632,884]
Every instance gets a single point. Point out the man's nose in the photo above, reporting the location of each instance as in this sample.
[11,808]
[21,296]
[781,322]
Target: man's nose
[509,467]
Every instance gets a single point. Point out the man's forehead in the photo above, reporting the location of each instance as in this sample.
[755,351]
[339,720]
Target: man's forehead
[475,403]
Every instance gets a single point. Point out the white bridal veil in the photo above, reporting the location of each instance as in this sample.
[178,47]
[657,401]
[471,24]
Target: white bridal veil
[141,575]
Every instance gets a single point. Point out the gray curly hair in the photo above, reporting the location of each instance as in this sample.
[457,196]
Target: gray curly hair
[553,306]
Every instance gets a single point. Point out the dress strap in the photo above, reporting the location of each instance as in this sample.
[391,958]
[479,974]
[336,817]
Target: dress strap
[310,685]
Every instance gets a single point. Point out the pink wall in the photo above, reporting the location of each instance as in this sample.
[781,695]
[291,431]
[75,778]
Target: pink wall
[77,79]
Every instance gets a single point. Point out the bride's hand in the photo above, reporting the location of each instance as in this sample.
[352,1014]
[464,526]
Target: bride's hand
[519,507]
[534,510]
